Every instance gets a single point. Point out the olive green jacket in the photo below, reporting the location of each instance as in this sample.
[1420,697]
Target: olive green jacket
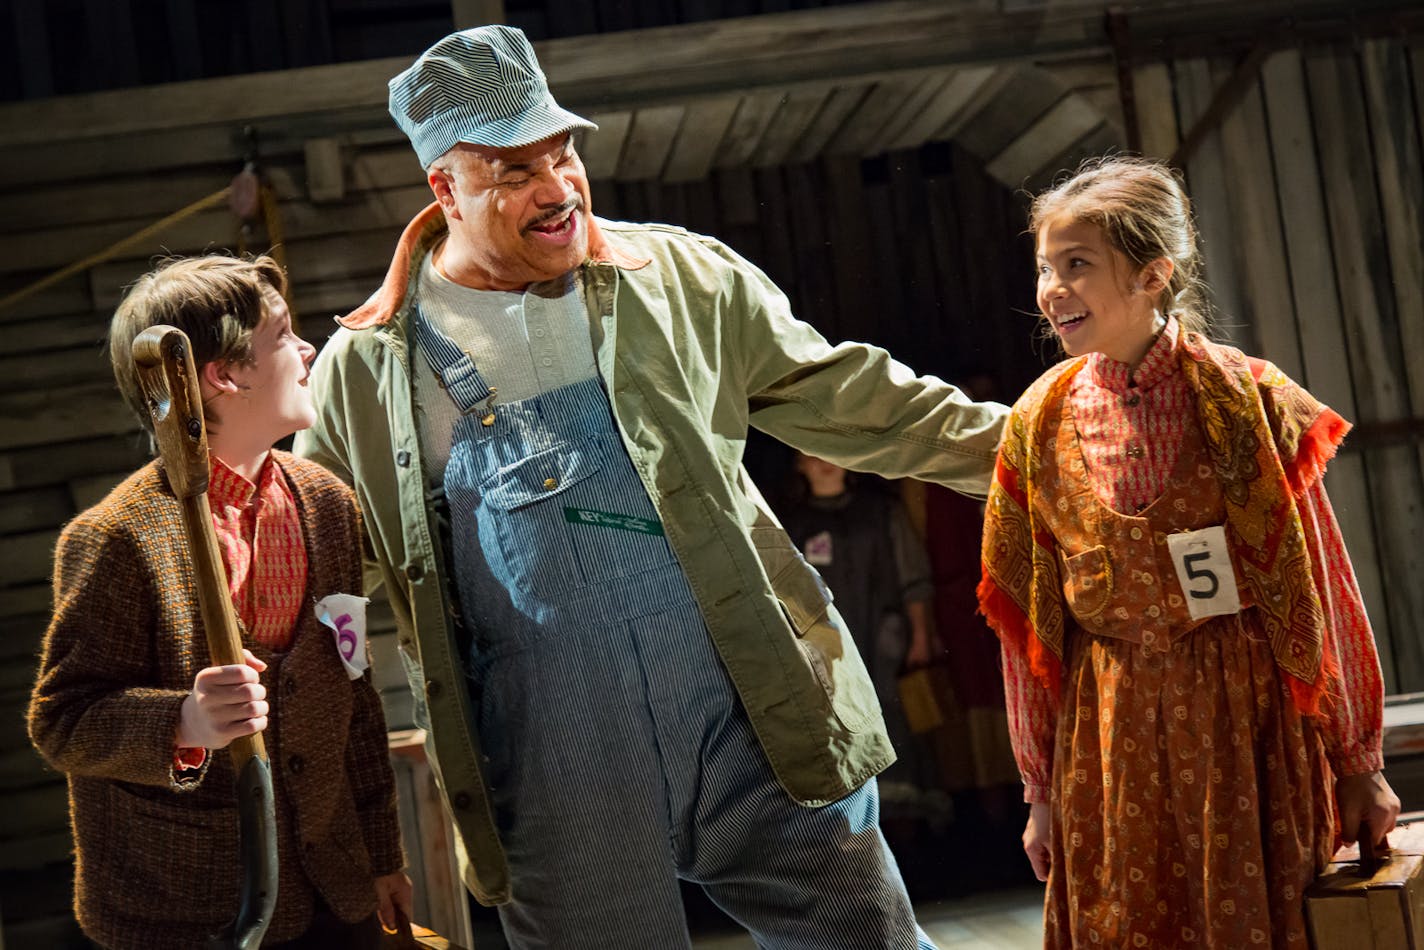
[694,345]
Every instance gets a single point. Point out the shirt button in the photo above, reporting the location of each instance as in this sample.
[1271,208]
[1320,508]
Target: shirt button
[1134,451]
[414,572]
[551,483]
[539,331]
[547,362]
[1135,533]
[1133,400]
[432,688]
[461,800]
[403,458]
[296,764]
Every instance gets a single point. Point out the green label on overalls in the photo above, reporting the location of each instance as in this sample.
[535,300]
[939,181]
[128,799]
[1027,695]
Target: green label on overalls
[607,519]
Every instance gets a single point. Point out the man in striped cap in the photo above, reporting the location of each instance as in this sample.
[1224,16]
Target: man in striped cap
[627,673]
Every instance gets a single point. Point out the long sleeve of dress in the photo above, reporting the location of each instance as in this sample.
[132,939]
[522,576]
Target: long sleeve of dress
[1353,728]
[1033,717]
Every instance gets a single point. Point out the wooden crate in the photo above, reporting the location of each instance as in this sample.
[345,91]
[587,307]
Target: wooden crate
[440,900]
[1385,911]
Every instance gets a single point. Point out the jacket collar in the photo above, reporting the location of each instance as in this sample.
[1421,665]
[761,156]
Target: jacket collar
[426,230]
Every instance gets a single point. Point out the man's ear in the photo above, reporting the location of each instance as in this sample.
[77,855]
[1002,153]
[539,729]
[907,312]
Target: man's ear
[442,185]
[215,377]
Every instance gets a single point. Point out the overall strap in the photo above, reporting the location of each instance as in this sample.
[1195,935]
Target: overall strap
[452,367]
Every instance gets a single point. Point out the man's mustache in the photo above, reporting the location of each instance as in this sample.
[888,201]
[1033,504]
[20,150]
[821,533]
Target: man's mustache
[575,203]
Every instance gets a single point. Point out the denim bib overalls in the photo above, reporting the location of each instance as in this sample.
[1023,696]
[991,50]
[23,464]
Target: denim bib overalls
[618,755]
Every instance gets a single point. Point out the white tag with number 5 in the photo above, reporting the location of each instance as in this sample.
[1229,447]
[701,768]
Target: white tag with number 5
[1203,564]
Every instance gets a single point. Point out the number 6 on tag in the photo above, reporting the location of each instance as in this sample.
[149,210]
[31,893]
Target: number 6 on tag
[1203,564]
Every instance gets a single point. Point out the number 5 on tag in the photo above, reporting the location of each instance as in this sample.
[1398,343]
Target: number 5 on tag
[1203,564]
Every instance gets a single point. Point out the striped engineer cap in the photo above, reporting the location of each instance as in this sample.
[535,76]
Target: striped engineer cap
[482,86]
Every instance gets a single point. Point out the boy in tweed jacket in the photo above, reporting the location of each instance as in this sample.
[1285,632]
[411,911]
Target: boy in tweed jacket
[125,702]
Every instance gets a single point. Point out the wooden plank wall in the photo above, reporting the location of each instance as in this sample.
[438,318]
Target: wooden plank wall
[112,44]
[918,250]
[1310,197]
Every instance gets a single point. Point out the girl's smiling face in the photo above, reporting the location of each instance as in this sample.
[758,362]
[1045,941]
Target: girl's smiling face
[1090,294]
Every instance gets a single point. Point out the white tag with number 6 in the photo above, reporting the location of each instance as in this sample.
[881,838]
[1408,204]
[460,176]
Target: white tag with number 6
[1203,564]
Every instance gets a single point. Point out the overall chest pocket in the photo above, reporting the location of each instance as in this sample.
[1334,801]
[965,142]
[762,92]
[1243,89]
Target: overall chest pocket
[571,517]
[522,524]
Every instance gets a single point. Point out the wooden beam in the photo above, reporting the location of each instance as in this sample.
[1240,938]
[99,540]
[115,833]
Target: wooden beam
[467,13]
[703,128]
[662,65]
[797,113]
[840,104]
[601,149]
[1357,245]
[1227,95]
[1121,33]
[1049,136]
[951,97]
[1398,164]
[650,142]
[748,126]
[326,180]
[1157,119]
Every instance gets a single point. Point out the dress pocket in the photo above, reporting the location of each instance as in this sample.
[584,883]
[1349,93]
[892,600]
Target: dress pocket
[1087,582]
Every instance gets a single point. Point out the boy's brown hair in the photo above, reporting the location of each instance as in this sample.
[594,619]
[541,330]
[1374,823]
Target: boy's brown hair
[215,299]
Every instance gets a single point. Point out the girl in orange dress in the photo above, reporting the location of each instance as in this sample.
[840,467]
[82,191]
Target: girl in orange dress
[1193,690]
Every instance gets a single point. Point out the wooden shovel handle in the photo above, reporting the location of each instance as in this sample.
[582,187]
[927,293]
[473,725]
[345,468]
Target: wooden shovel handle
[168,377]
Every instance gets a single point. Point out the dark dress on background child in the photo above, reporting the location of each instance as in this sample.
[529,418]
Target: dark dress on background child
[863,545]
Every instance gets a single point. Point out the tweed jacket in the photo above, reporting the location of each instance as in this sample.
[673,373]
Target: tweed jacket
[156,862]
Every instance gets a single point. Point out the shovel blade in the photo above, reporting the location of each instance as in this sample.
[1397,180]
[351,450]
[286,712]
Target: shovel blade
[257,826]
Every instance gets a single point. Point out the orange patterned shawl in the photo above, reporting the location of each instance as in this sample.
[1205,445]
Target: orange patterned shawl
[1269,441]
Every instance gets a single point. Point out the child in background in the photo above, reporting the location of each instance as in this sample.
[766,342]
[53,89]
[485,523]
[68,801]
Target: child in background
[125,703]
[1192,683]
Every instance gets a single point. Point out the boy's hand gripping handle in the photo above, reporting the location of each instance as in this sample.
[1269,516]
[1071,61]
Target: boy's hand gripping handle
[168,377]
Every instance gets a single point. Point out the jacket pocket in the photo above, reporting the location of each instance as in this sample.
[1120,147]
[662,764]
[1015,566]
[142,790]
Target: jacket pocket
[821,637]
[1087,582]
[179,858]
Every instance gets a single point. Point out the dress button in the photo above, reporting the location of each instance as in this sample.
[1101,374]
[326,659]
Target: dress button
[1135,533]
[414,572]
[403,458]
[551,483]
